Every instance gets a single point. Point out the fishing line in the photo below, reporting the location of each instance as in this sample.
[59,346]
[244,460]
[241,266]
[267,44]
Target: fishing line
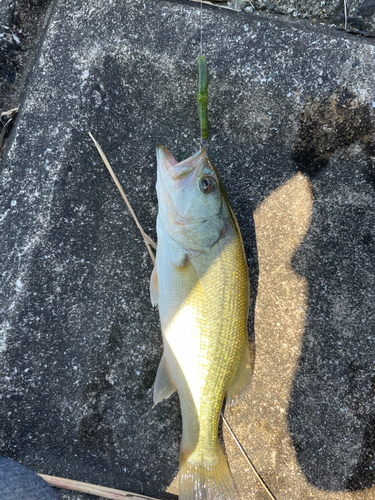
[260,479]
[202,86]
[201,30]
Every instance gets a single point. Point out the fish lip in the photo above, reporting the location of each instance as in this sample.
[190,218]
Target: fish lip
[177,170]
[163,154]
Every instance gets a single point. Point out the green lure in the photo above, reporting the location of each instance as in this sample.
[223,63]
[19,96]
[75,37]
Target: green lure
[202,95]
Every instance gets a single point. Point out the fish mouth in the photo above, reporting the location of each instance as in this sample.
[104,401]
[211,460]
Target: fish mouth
[177,170]
[169,167]
[165,156]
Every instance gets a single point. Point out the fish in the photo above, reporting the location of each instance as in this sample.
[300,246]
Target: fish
[201,286]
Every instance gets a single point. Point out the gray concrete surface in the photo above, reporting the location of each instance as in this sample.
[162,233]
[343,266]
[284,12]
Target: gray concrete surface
[291,110]
[359,13]
[22,25]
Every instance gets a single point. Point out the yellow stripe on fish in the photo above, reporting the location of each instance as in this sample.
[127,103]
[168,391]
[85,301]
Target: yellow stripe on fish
[201,285]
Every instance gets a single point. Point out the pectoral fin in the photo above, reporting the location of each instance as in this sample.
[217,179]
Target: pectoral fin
[242,379]
[163,387]
[179,256]
[154,287]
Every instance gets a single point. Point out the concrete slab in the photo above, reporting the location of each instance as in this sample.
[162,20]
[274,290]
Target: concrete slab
[291,109]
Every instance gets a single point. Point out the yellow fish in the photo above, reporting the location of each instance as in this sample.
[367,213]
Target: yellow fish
[200,283]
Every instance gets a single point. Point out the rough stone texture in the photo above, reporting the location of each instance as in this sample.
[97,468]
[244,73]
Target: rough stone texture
[21,28]
[360,15]
[366,8]
[301,8]
[327,9]
[291,109]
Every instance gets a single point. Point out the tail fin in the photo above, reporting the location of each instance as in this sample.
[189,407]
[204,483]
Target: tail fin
[207,479]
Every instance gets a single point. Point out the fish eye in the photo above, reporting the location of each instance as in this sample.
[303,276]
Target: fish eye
[207,185]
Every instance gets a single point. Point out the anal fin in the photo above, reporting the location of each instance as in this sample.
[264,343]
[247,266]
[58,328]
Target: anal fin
[242,379]
[163,387]
[154,287]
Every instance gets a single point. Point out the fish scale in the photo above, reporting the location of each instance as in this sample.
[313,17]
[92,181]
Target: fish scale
[224,355]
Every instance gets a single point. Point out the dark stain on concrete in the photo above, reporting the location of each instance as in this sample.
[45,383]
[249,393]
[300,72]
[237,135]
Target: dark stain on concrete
[94,430]
[336,121]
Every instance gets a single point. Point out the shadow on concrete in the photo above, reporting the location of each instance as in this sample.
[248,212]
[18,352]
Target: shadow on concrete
[329,124]
[332,411]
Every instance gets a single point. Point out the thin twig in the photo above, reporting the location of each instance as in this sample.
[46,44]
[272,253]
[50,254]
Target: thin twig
[9,112]
[212,4]
[261,480]
[3,131]
[148,241]
[93,489]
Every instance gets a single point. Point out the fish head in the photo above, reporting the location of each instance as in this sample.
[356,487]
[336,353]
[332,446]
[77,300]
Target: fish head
[190,200]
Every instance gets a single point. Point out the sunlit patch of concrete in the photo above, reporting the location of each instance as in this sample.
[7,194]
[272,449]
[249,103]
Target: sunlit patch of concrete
[260,420]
